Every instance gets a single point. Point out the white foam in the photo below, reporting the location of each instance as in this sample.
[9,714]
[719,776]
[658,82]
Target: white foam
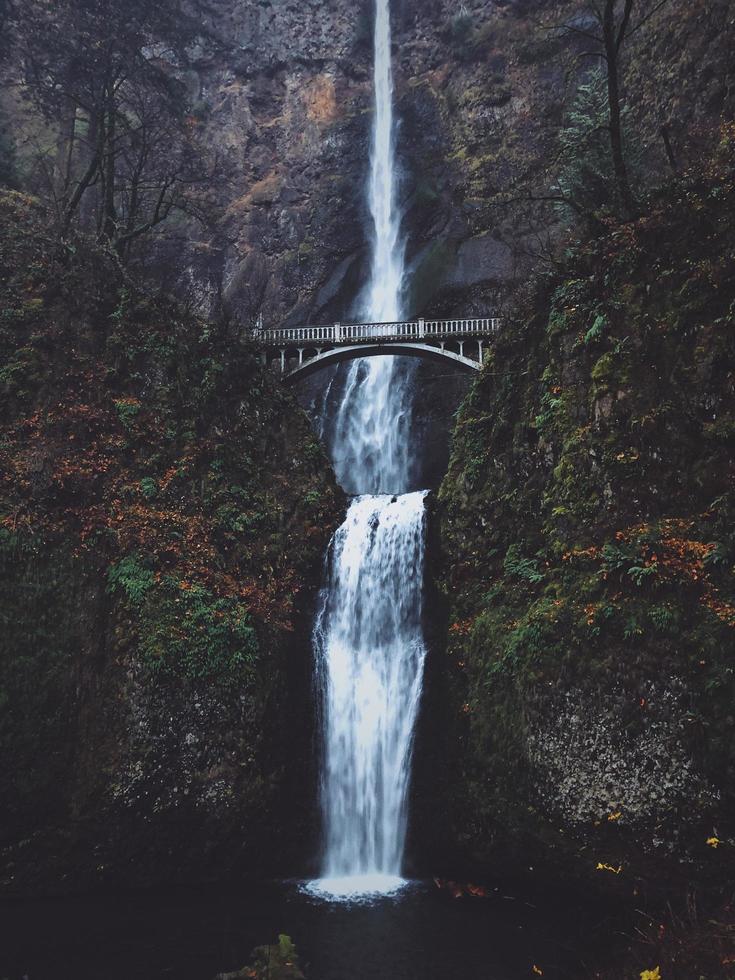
[356,888]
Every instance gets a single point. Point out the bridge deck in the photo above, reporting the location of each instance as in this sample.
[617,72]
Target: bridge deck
[351,333]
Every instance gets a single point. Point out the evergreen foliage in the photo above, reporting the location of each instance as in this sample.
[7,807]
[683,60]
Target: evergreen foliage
[586,173]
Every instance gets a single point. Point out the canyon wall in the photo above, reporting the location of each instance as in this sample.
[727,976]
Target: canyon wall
[482,90]
[585,550]
[165,509]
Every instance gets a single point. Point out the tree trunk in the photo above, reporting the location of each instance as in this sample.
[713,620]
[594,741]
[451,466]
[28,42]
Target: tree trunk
[665,135]
[86,179]
[65,151]
[109,222]
[612,45]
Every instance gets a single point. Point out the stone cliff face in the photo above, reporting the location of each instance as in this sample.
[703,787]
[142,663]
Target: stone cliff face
[287,107]
[481,90]
[281,93]
[164,511]
[586,549]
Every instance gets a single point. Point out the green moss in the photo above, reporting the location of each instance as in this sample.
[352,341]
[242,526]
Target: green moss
[163,506]
[188,632]
[603,370]
[591,453]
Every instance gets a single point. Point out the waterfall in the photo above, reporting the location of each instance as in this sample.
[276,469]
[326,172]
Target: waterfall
[368,637]
[372,429]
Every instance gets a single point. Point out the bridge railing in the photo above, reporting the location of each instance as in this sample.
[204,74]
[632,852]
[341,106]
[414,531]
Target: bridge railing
[345,333]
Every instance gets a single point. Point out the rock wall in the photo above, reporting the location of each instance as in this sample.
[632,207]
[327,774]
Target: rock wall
[164,511]
[482,90]
[281,94]
[585,548]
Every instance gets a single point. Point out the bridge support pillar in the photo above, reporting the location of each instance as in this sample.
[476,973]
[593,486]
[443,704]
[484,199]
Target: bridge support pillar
[301,355]
[479,345]
[442,343]
[461,348]
[283,361]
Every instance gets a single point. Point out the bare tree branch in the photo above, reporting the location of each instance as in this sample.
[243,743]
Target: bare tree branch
[627,10]
[651,13]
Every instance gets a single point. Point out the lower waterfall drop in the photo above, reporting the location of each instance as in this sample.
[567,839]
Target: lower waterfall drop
[370,659]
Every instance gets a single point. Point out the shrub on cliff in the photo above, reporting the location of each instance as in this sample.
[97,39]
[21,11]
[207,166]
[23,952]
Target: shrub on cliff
[132,428]
[587,521]
[163,505]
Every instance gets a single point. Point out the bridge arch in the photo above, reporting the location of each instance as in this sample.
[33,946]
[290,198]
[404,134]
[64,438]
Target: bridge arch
[316,347]
[337,355]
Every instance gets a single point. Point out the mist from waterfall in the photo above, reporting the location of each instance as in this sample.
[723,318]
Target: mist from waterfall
[368,636]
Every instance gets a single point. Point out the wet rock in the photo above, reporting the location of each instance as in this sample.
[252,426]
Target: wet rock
[480,260]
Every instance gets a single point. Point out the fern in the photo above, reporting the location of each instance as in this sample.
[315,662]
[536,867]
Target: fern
[524,568]
[596,330]
[131,577]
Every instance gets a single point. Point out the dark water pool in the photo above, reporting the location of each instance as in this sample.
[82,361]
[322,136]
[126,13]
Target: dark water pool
[419,934]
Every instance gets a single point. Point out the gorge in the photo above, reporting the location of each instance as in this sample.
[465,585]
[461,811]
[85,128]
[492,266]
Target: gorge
[430,672]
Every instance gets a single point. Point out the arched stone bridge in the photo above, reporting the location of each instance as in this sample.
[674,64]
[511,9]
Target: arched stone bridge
[300,351]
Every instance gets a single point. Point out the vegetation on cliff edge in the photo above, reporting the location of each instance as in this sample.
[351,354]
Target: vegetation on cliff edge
[589,556]
[163,504]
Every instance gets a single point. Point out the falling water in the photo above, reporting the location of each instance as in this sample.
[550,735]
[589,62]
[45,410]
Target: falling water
[368,638]
[386,282]
[370,663]
[372,430]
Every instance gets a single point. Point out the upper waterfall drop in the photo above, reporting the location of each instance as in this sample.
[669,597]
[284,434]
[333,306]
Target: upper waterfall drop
[372,426]
[385,289]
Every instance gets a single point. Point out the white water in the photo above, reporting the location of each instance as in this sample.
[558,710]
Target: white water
[371,435]
[370,657]
[386,282]
[368,638]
